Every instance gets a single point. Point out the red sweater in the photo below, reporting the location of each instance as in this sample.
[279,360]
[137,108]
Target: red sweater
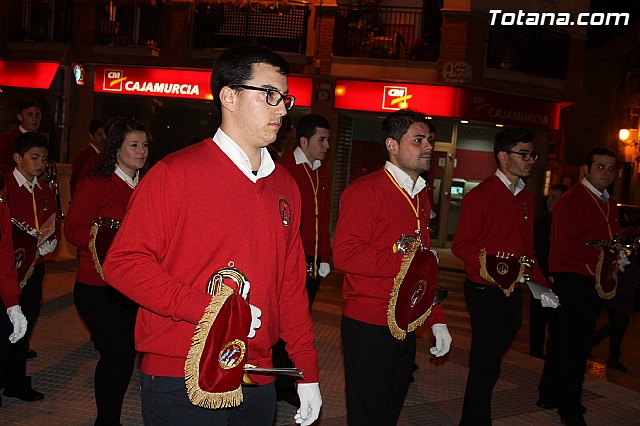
[194,213]
[9,290]
[97,196]
[83,164]
[373,215]
[308,219]
[494,219]
[6,149]
[579,217]
[21,204]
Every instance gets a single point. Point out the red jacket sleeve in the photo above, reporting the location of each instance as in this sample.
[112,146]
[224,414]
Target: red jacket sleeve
[83,211]
[352,248]
[9,290]
[472,218]
[132,264]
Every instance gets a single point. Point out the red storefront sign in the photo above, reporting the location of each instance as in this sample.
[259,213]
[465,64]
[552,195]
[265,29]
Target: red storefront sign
[31,75]
[446,101]
[170,83]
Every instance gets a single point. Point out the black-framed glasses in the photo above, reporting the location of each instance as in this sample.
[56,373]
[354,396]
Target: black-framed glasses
[272,96]
[526,155]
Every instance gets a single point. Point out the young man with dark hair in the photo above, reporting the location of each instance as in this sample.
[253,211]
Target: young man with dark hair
[13,323]
[585,212]
[85,160]
[29,115]
[225,203]
[496,219]
[312,177]
[376,212]
[31,202]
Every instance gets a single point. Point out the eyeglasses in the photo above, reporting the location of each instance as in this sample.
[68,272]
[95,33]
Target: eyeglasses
[272,96]
[526,155]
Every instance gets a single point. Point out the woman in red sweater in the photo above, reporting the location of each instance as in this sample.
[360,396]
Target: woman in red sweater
[109,316]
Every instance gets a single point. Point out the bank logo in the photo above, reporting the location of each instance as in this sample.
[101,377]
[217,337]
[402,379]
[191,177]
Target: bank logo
[113,80]
[395,98]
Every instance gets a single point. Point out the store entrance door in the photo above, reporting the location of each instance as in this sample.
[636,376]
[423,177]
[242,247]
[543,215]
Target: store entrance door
[442,165]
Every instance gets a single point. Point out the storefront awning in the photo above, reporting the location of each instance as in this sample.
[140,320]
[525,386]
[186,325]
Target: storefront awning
[30,75]
[171,83]
[448,101]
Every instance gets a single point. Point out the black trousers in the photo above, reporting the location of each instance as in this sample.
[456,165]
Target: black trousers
[13,357]
[495,321]
[614,330]
[110,318]
[570,343]
[377,370]
[538,322]
[312,284]
[165,402]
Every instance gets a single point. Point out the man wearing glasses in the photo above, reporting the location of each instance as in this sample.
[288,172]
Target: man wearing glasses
[217,204]
[496,219]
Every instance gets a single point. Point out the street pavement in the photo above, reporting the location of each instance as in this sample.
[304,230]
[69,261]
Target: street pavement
[63,371]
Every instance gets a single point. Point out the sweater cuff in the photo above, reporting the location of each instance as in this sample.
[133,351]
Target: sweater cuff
[309,367]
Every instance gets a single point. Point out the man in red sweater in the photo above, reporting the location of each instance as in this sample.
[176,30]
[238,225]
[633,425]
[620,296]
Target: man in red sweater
[32,202]
[312,177]
[497,216]
[585,212]
[219,203]
[29,115]
[375,211]
[13,324]
[85,160]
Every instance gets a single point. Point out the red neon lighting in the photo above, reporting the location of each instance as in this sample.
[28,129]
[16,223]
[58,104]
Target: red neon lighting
[186,84]
[31,75]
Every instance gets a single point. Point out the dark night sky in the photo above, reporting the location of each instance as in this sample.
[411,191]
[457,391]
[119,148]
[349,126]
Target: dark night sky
[599,35]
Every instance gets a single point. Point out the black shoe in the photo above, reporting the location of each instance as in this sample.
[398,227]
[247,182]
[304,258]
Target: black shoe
[546,405]
[25,394]
[574,421]
[617,365]
[31,354]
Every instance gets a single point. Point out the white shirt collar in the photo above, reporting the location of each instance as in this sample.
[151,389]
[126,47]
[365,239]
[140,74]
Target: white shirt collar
[22,129]
[404,180]
[301,157]
[593,189]
[22,181]
[94,147]
[126,178]
[519,186]
[240,158]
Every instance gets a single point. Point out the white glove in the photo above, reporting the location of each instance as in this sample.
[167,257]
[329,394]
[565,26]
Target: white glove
[19,322]
[47,247]
[324,269]
[310,403]
[435,253]
[622,260]
[443,340]
[256,322]
[548,299]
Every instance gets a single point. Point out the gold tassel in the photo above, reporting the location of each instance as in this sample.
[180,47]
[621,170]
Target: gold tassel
[599,289]
[30,271]
[92,248]
[198,396]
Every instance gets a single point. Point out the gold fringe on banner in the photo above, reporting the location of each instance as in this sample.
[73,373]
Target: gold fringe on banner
[92,248]
[198,396]
[395,329]
[485,274]
[30,271]
[599,289]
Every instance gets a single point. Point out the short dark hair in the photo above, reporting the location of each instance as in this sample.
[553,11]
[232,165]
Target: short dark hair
[396,125]
[559,187]
[119,130]
[26,103]
[507,138]
[308,125]
[29,140]
[599,150]
[235,66]
[95,125]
